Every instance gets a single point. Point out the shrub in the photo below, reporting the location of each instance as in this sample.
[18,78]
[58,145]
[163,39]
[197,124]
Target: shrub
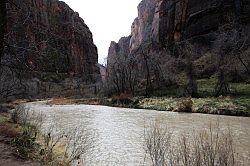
[26,142]
[185,105]
[157,144]
[20,115]
[121,99]
[212,147]
[30,124]
[59,101]
[66,148]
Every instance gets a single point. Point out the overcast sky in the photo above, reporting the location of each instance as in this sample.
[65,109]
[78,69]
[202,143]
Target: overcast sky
[108,20]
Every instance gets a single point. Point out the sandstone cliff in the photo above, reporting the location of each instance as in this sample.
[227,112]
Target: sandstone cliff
[119,49]
[165,22]
[48,42]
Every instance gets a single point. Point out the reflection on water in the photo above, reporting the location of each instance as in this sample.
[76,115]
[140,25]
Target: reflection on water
[120,130]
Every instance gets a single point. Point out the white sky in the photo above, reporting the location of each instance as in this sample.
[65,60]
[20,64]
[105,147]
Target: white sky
[108,20]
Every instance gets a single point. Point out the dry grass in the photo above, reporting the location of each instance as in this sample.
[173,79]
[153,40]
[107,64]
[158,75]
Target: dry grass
[65,101]
[9,131]
[60,101]
[223,105]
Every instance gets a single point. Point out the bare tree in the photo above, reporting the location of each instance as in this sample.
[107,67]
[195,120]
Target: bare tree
[158,144]
[150,66]
[149,87]
[189,54]
[123,73]
[211,147]
[169,66]
[233,41]
[75,145]
[144,71]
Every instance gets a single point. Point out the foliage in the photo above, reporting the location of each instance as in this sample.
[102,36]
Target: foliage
[3,118]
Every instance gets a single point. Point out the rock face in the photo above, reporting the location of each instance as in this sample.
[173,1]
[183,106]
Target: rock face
[103,72]
[165,22]
[142,25]
[46,38]
[122,48]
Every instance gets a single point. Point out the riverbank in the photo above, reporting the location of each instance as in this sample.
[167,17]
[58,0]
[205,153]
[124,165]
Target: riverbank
[12,150]
[232,106]
[22,142]
[120,131]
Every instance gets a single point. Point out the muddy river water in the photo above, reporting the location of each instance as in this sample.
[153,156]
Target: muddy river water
[120,130]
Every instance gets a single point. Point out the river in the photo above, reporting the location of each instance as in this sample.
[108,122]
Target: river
[120,130]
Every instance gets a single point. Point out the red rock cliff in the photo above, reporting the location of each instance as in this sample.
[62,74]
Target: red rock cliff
[167,21]
[53,37]
[119,49]
[50,48]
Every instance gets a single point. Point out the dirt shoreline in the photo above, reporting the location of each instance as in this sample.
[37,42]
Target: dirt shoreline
[8,157]
[8,152]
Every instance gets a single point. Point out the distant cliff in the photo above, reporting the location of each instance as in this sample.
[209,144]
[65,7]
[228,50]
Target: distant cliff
[48,42]
[165,22]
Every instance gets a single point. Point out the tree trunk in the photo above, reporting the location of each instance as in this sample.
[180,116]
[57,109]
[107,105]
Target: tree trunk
[242,62]
[2,27]
[148,85]
[192,88]
[222,86]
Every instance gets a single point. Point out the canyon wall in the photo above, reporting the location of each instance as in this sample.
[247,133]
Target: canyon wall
[48,42]
[165,22]
[122,48]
